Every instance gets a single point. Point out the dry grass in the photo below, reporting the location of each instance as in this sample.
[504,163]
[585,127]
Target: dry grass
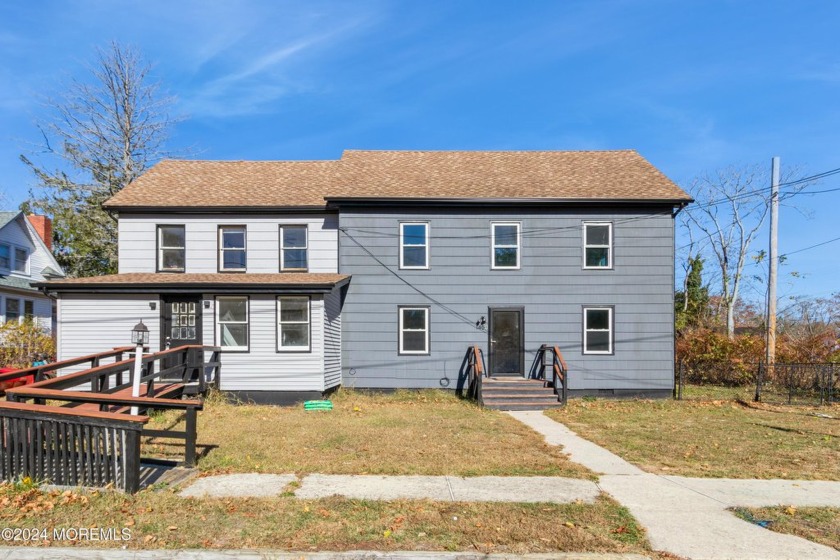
[818,524]
[428,432]
[163,520]
[713,439]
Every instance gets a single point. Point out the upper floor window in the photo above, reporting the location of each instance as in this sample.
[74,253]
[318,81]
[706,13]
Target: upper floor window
[232,248]
[293,248]
[505,242]
[13,258]
[597,245]
[597,330]
[21,261]
[414,330]
[172,252]
[293,323]
[414,245]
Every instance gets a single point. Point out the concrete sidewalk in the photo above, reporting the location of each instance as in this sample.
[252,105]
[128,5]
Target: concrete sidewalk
[531,489]
[688,516]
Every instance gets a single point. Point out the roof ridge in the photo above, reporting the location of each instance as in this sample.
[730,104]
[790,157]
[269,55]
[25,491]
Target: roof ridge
[619,150]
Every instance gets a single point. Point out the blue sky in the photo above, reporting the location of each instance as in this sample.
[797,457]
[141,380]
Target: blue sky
[692,85]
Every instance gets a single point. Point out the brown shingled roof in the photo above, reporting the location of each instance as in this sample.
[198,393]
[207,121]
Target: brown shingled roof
[594,175]
[199,280]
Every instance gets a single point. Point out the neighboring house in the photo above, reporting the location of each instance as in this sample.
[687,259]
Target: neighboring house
[378,270]
[26,257]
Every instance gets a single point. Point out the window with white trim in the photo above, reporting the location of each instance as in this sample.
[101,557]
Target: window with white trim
[414,245]
[505,243]
[21,260]
[597,330]
[293,323]
[232,248]
[597,245]
[172,248]
[232,322]
[28,310]
[414,330]
[12,310]
[294,244]
[5,256]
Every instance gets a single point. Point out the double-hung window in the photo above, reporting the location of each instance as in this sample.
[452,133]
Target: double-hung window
[293,324]
[232,248]
[597,245]
[172,249]
[505,244]
[232,322]
[21,262]
[293,248]
[597,330]
[12,310]
[28,309]
[5,256]
[414,330]
[414,245]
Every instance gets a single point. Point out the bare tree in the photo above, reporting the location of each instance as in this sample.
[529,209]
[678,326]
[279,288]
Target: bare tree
[104,132]
[731,207]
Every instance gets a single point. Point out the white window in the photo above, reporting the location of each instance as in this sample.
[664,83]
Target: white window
[414,245]
[293,323]
[12,310]
[5,256]
[505,242]
[294,243]
[597,330]
[232,248]
[232,322]
[172,252]
[597,245]
[414,330]
[21,261]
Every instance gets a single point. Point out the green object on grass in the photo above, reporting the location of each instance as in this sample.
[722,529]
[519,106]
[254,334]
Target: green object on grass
[318,405]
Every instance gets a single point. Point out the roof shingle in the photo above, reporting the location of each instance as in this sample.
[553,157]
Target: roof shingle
[564,175]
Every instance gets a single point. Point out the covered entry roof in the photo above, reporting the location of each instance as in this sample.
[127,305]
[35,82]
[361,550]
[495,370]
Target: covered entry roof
[143,282]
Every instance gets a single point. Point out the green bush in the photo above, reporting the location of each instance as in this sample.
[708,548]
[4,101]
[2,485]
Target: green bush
[22,343]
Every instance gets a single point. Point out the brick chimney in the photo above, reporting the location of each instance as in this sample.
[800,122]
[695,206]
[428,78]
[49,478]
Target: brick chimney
[43,226]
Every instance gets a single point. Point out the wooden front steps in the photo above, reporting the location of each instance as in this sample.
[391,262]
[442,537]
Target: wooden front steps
[517,393]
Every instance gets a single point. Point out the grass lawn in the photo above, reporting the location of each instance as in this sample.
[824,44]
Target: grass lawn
[161,519]
[818,524]
[427,432]
[713,439]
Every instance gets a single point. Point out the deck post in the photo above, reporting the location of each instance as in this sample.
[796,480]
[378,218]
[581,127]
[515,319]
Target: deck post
[131,461]
[189,443]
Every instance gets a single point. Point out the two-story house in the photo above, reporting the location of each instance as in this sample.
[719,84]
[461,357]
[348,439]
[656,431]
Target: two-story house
[378,270]
[26,257]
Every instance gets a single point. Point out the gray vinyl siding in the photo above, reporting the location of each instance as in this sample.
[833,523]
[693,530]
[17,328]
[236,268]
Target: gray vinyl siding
[332,339]
[138,240]
[551,285]
[262,367]
[91,323]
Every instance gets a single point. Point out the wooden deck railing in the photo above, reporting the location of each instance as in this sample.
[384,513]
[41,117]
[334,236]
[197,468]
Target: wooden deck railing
[475,372]
[110,389]
[559,371]
[39,373]
[68,447]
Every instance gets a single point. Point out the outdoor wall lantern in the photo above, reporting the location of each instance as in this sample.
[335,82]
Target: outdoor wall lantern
[481,323]
[140,337]
[206,304]
[152,305]
[140,334]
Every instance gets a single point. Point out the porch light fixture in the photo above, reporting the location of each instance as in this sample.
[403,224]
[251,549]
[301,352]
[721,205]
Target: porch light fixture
[480,323]
[140,334]
[206,304]
[152,305]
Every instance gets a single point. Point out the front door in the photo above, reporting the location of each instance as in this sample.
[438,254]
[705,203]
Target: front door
[507,341]
[181,320]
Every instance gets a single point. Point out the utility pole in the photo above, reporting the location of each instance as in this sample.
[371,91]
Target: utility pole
[774,262]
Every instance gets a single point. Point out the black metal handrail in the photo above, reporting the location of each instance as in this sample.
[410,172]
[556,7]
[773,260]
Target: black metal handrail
[559,371]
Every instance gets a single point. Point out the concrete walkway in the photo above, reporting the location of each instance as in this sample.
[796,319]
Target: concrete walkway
[688,516]
[532,489]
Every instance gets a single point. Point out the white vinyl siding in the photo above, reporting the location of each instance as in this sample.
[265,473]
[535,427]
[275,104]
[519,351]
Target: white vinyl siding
[262,368]
[137,234]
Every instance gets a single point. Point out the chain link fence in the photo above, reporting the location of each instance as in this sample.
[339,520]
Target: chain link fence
[796,384]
